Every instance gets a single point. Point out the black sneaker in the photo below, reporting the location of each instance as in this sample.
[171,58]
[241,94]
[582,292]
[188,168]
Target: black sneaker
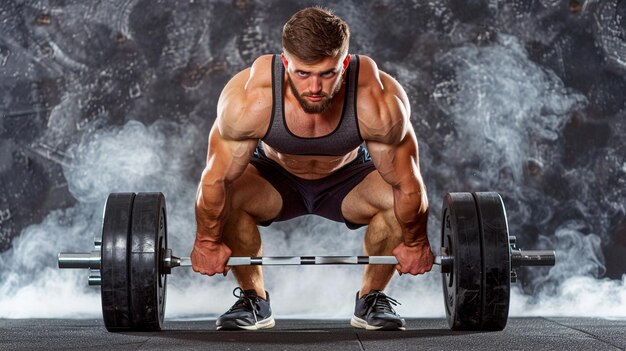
[374,312]
[250,312]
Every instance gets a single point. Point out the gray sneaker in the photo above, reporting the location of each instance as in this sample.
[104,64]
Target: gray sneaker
[374,311]
[250,312]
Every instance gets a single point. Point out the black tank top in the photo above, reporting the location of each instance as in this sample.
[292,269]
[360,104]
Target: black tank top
[342,140]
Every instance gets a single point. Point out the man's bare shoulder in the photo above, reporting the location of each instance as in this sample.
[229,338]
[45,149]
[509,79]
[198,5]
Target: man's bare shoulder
[383,106]
[260,75]
[368,71]
[245,105]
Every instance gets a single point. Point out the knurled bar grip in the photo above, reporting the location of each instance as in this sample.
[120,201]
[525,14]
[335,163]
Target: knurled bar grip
[309,260]
[300,260]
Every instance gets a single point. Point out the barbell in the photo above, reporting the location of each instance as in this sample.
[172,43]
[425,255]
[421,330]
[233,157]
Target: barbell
[131,261]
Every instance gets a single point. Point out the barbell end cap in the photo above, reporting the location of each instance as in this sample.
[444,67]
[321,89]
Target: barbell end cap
[521,257]
[79,260]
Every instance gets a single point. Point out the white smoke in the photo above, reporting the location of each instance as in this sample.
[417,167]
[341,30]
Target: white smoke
[131,158]
[571,287]
[502,105]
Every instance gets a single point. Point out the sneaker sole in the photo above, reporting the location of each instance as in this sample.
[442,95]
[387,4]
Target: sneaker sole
[267,323]
[360,323]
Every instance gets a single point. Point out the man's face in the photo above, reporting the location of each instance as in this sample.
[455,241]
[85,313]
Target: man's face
[315,85]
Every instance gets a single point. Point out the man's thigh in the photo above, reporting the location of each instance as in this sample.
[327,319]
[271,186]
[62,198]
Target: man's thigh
[254,195]
[370,197]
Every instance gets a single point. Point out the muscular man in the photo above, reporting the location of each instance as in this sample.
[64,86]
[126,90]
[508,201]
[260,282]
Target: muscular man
[312,131]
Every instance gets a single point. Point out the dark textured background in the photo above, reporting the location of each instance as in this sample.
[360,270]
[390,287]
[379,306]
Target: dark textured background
[523,97]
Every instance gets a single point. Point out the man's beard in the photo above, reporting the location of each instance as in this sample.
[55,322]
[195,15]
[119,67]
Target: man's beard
[322,105]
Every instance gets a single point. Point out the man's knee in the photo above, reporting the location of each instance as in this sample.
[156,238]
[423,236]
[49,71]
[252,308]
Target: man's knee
[383,228]
[241,233]
[369,198]
[255,196]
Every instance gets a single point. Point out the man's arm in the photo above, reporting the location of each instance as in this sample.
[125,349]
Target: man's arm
[232,141]
[392,144]
[399,166]
[226,161]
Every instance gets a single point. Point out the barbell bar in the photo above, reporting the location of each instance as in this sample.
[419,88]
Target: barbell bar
[519,258]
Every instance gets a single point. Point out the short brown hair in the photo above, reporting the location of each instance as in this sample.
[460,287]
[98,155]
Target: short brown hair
[315,33]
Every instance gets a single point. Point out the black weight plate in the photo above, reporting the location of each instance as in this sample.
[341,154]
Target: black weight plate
[114,261]
[460,237]
[148,242]
[496,283]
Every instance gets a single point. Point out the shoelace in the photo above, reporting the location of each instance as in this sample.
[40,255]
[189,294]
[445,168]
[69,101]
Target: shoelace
[246,302]
[381,302]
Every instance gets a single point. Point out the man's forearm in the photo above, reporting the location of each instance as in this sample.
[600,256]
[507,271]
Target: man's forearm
[411,209]
[211,210]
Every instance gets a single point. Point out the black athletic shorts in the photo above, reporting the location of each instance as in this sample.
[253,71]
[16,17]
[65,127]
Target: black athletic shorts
[322,197]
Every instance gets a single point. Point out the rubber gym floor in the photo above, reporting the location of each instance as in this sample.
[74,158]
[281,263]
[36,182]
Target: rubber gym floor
[560,333]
